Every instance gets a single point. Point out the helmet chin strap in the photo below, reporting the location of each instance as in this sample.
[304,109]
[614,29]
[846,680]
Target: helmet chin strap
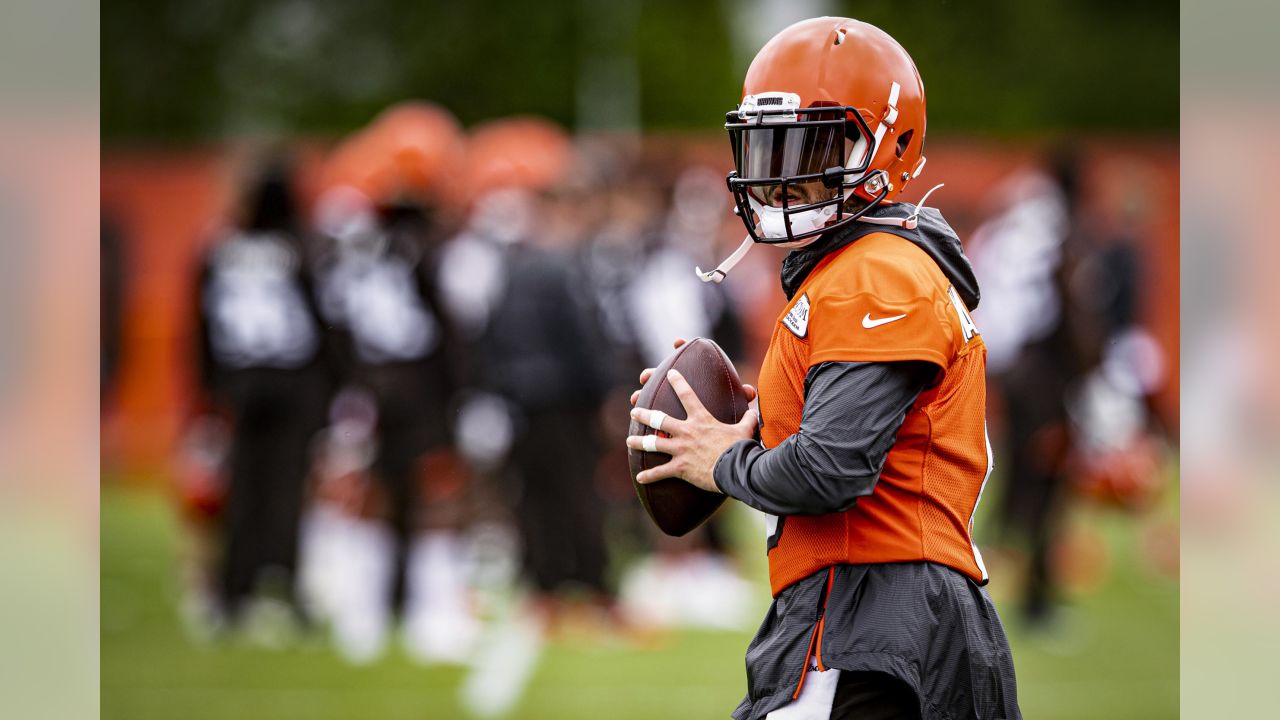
[720,272]
[909,222]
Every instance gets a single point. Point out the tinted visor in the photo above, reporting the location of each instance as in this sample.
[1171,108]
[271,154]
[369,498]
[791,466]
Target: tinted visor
[773,152]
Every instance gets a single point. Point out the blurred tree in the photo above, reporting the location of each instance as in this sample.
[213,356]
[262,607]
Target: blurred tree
[201,68]
[1009,66]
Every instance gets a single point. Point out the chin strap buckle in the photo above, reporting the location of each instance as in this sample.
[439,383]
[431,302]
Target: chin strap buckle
[722,271]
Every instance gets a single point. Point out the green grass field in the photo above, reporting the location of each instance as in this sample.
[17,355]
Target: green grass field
[1117,656]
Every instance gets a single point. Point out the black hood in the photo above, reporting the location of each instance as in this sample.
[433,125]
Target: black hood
[932,234]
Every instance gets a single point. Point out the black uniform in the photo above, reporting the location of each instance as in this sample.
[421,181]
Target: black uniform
[393,339]
[535,352]
[263,359]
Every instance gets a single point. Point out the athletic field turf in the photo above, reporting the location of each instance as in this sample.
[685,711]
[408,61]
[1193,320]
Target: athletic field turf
[1116,655]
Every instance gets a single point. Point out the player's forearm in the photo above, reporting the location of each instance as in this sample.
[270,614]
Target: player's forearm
[851,418]
[783,481]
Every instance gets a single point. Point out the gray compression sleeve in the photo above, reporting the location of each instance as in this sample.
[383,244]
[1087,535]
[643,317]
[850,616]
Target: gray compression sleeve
[852,412]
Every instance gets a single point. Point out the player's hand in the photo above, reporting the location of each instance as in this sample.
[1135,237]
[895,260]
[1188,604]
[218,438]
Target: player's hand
[694,444]
[648,373]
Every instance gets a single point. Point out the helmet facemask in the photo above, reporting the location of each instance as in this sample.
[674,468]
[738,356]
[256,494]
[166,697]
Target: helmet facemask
[797,169]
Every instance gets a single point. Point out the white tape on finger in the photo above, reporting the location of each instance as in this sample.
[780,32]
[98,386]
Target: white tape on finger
[656,418]
[650,443]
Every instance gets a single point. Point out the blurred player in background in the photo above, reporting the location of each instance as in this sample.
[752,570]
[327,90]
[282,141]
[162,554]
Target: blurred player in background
[378,296]
[872,454]
[530,421]
[616,210]
[379,223]
[263,362]
[1033,356]
[513,293]
[1074,369]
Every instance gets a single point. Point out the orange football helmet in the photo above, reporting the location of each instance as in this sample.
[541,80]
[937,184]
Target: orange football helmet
[409,150]
[832,110]
[523,152]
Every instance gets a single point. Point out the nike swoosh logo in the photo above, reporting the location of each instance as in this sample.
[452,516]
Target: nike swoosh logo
[868,323]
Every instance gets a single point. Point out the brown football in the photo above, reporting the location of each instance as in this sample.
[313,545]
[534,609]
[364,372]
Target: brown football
[675,506]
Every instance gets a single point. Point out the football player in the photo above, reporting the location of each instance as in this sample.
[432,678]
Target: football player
[264,361]
[509,284]
[871,454]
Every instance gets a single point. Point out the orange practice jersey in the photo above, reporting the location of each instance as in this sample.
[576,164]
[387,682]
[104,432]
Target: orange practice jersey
[882,298]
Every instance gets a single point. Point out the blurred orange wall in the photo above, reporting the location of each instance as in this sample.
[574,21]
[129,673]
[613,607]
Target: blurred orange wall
[167,202]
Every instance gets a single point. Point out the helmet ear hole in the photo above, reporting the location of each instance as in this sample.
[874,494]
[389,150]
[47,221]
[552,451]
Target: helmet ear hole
[904,140]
